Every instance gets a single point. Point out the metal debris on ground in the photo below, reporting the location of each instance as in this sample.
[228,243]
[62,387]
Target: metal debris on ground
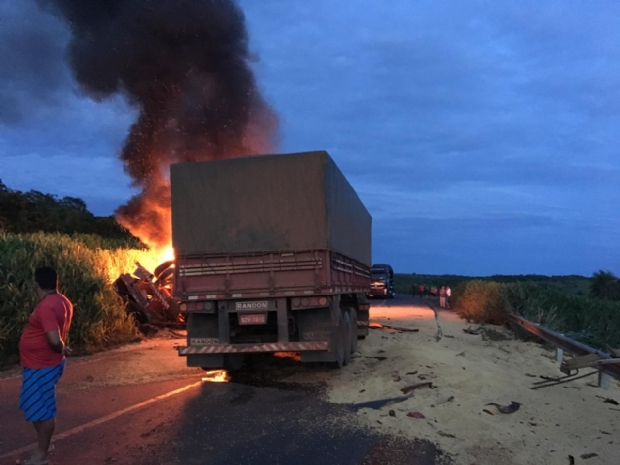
[511,408]
[408,389]
[377,404]
[608,400]
[148,296]
[417,415]
[549,381]
[474,332]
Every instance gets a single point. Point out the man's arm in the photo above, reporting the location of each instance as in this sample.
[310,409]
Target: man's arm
[57,345]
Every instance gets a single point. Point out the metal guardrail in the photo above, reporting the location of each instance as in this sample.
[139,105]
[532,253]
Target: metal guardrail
[569,345]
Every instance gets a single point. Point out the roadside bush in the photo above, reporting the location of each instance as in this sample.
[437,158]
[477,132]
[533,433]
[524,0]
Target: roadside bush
[480,302]
[86,276]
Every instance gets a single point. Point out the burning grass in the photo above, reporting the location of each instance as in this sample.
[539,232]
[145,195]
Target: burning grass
[592,321]
[87,267]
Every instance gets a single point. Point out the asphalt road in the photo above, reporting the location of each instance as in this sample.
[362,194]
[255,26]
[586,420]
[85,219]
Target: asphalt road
[141,405]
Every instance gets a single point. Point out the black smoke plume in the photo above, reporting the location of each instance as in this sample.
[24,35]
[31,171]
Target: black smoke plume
[185,64]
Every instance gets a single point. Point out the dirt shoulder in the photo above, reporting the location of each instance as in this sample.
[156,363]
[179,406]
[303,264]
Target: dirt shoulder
[467,373]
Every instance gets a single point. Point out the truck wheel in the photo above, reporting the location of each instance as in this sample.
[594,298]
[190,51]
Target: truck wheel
[346,333]
[353,316]
[339,349]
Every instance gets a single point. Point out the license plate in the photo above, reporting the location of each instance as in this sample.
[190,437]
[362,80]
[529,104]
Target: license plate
[203,341]
[252,318]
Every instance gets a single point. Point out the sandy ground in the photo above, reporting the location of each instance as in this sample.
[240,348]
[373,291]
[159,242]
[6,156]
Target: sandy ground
[468,372]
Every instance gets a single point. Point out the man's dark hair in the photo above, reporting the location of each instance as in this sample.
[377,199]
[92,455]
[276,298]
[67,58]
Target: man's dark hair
[46,278]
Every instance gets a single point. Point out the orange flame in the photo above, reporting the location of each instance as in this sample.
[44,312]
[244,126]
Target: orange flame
[165,254]
[216,376]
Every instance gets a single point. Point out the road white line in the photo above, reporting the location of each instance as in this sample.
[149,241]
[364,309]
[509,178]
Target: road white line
[101,420]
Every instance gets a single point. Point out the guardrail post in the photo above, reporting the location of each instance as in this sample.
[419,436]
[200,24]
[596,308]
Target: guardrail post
[559,355]
[604,380]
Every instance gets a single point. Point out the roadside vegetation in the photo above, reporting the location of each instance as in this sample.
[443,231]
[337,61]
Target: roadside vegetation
[592,320]
[89,253]
[586,309]
[87,267]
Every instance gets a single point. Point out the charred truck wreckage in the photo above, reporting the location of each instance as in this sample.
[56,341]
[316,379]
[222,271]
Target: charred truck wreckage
[273,254]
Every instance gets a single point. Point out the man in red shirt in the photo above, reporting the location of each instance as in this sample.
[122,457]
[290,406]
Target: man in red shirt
[42,355]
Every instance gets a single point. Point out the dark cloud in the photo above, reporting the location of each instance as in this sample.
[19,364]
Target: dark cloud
[33,70]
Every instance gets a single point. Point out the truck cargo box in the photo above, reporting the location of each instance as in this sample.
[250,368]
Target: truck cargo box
[267,203]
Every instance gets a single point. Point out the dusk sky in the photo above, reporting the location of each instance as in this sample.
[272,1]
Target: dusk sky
[483,137]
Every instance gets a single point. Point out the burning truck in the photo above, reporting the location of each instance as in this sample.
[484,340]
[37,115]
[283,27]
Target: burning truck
[272,254]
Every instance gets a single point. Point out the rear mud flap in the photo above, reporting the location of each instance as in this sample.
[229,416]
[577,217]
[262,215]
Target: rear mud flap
[205,361]
[323,356]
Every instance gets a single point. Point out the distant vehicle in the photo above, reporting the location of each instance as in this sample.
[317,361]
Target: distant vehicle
[273,254]
[382,281]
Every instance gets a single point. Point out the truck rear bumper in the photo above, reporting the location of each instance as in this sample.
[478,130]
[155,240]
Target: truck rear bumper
[253,348]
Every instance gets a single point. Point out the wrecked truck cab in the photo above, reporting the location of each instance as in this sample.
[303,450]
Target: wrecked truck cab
[273,254]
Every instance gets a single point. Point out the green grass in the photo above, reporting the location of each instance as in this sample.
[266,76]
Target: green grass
[87,267]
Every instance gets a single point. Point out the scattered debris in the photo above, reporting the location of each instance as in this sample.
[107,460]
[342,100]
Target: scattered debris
[363,390]
[488,411]
[607,400]
[551,381]
[449,337]
[417,415]
[377,404]
[588,456]
[512,408]
[446,435]
[395,328]
[531,375]
[408,389]
[392,413]
[412,373]
[379,358]
[474,332]
[571,460]
[462,354]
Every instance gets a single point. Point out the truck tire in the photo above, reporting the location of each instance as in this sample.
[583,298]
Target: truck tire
[346,333]
[339,350]
[353,317]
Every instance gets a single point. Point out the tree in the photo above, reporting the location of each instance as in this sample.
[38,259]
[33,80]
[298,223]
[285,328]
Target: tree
[605,285]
